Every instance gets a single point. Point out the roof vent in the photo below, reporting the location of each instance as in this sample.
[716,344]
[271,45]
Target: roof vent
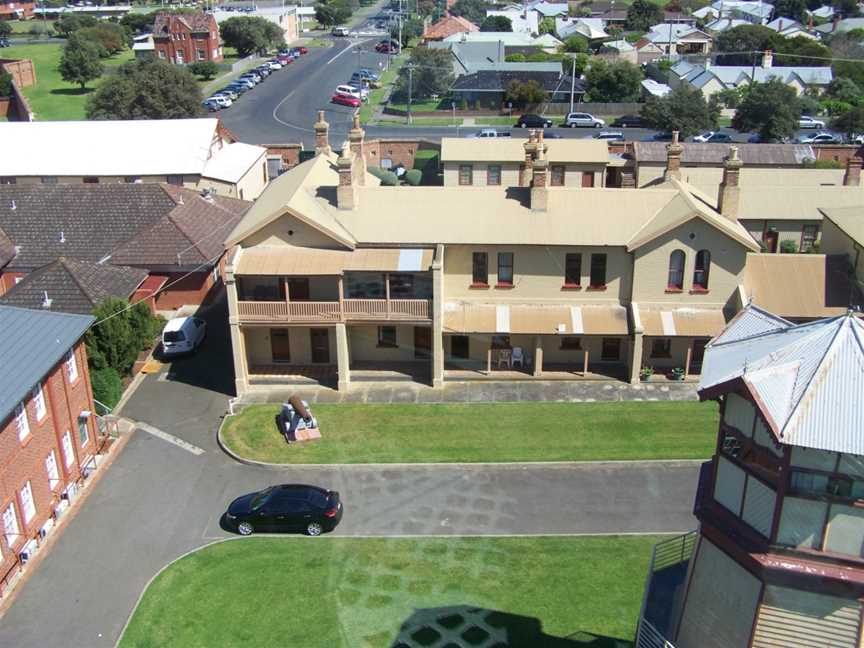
[62,237]
[207,194]
[13,206]
[180,199]
[46,301]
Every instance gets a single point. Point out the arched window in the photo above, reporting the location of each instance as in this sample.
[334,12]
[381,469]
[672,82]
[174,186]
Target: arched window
[701,270]
[676,270]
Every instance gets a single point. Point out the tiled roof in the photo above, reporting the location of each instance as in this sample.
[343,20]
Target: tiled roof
[40,341]
[448,26]
[73,286]
[498,80]
[750,154]
[197,22]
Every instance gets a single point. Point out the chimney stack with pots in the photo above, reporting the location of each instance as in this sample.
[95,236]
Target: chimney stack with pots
[767,59]
[346,192]
[322,135]
[540,182]
[355,140]
[852,177]
[526,172]
[729,194]
[674,151]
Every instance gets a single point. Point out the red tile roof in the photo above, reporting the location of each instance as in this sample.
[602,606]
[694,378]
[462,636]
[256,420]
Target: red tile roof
[448,26]
[197,22]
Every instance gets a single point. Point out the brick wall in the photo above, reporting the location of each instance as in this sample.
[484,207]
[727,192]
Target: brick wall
[23,460]
[290,153]
[838,152]
[7,280]
[398,151]
[188,290]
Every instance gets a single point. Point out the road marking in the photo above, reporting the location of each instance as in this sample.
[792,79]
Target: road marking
[347,49]
[170,438]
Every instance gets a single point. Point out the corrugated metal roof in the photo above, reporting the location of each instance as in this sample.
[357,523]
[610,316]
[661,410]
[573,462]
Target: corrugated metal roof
[33,343]
[808,378]
[669,320]
[750,154]
[849,220]
[751,322]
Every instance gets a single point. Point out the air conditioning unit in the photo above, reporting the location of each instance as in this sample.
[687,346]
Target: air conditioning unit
[23,557]
[46,528]
[64,496]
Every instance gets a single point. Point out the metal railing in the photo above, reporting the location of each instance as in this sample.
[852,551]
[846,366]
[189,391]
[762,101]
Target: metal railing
[330,311]
[650,637]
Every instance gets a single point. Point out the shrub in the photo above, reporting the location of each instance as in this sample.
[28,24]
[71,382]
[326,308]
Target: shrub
[463,105]
[122,334]
[107,386]
[788,246]
[204,69]
[5,84]
[387,178]
[413,177]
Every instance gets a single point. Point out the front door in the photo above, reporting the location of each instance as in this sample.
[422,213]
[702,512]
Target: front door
[422,342]
[280,347]
[298,289]
[770,239]
[698,355]
[459,347]
[320,345]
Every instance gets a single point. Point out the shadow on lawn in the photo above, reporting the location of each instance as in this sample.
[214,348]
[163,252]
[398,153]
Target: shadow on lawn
[74,92]
[463,625]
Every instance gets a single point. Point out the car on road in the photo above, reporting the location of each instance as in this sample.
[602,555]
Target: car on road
[274,64]
[530,120]
[820,138]
[387,48]
[340,31]
[285,508]
[582,120]
[352,91]
[368,74]
[212,105]
[628,121]
[183,335]
[805,121]
[249,77]
[612,136]
[360,81]
[231,93]
[240,86]
[301,49]
[345,100]
[222,100]
[712,137]
[489,132]
[285,59]
[263,71]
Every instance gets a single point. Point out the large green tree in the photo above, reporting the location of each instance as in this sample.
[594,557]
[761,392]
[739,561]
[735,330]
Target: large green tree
[411,28]
[576,45]
[642,14]
[546,26]
[146,90]
[794,9]
[473,10]
[5,28]
[66,24]
[251,35]
[801,52]
[613,82]
[80,62]
[771,109]
[332,12]
[432,73]
[740,43]
[850,122]
[111,36]
[120,334]
[527,93]
[138,23]
[684,110]
[496,24]
[850,47]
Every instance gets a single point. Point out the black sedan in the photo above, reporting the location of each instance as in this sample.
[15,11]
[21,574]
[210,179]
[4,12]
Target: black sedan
[533,121]
[629,121]
[289,507]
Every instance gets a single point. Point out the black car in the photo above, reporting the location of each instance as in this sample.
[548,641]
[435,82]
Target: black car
[533,121]
[289,507]
[629,121]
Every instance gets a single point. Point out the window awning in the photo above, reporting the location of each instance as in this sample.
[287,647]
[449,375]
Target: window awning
[529,319]
[681,322]
[287,260]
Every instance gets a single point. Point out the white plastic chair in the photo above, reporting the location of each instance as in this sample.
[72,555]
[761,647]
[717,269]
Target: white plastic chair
[504,358]
[518,357]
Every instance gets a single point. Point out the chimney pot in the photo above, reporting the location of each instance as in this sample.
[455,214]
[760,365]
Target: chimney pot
[767,59]
[322,135]
[729,191]
[852,177]
[674,151]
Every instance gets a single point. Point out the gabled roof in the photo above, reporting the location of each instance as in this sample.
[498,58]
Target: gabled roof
[736,74]
[551,8]
[845,25]
[39,342]
[849,220]
[195,22]
[521,22]
[618,45]
[497,80]
[590,28]
[73,286]
[449,25]
[806,379]
[668,32]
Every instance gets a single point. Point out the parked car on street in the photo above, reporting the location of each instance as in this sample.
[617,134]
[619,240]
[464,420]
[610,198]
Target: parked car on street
[287,507]
[612,136]
[263,71]
[628,121]
[285,59]
[302,49]
[183,335]
[805,121]
[274,64]
[222,100]
[231,93]
[369,74]
[351,91]
[340,31]
[212,105]
[821,138]
[582,120]
[530,120]
[387,48]
[489,132]
[345,100]
[712,137]
[239,86]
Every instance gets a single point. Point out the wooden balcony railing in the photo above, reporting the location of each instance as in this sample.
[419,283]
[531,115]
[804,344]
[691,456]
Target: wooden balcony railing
[324,312]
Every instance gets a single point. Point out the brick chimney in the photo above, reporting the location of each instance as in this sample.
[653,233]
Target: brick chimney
[674,150]
[346,192]
[835,23]
[526,173]
[767,59]
[852,177]
[540,183]
[322,135]
[355,142]
[728,196]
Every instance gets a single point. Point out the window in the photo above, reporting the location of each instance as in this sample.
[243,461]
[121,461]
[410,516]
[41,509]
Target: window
[611,349]
[573,270]
[68,450]
[201,54]
[83,432]
[10,523]
[91,180]
[39,401]
[50,180]
[700,272]
[480,269]
[71,367]
[598,271]
[808,237]
[466,175]
[28,506]
[161,54]
[6,180]
[570,343]
[505,268]
[557,175]
[587,179]
[52,470]
[676,270]
[661,348]
[387,336]
[493,175]
[21,422]
[176,180]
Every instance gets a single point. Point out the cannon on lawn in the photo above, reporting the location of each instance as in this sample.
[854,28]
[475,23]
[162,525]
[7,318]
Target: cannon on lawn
[296,421]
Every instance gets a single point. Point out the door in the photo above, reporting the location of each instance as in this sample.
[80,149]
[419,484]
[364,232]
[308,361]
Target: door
[298,289]
[320,345]
[289,514]
[698,355]
[459,347]
[422,342]
[280,346]
[770,239]
[587,178]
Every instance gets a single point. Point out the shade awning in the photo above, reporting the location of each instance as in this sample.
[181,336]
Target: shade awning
[286,260]
[460,317]
[682,322]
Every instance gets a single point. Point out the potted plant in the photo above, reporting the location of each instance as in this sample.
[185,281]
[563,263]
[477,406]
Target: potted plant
[678,373]
[645,373]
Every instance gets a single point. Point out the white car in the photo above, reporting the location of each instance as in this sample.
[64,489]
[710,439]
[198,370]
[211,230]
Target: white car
[805,121]
[585,120]
[351,91]
[609,136]
[222,100]
[183,335]
[820,138]
[274,65]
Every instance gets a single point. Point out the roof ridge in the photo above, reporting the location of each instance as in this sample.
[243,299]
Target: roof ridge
[72,274]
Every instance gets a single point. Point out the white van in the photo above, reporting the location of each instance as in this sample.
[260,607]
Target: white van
[340,31]
[183,335]
[351,91]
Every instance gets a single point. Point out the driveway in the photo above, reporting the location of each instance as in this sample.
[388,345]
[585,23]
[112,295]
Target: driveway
[159,500]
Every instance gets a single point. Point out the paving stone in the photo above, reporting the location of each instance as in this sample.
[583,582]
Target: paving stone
[455,393]
[481,393]
[429,395]
[404,394]
[379,394]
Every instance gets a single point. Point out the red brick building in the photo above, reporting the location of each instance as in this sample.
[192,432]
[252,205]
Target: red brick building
[16,10]
[187,38]
[48,435]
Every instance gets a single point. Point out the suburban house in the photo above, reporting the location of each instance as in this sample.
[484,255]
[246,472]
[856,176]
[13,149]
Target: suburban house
[50,438]
[489,86]
[187,38]
[720,25]
[521,21]
[546,42]
[619,50]
[678,39]
[711,79]
[549,9]
[284,17]
[791,28]
[592,29]
[777,559]
[469,57]
[839,26]
[754,13]
[77,244]
[193,153]
[143,47]
[16,10]
[447,26]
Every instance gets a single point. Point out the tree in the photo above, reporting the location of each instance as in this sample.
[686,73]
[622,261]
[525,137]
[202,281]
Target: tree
[411,28]
[581,61]
[110,36]
[122,334]
[146,90]
[576,45]
[496,24]
[613,82]
[251,35]
[80,61]
[642,14]
[684,110]
[771,109]
[68,23]
[851,122]
[843,89]
[546,26]
[801,52]
[729,97]
[5,84]
[524,93]
[473,10]
[5,29]
[107,386]
[794,9]
[139,23]
[850,46]
[432,74]
[741,41]
[204,69]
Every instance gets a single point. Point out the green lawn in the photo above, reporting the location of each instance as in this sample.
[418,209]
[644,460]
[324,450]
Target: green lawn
[426,160]
[358,592]
[495,121]
[52,98]
[24,26]
[413,433]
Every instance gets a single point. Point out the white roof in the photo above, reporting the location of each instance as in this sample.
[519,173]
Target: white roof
[669,32]
[231,163]
[619,45]
[510,39]
[807,378]
[822,12]
[116,148]
[522,23]
[656,89]
[722,24]
[590,28]
[551,8]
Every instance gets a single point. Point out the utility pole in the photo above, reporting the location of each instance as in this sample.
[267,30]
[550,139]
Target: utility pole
[410,88]
[400,25]
[572,84]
